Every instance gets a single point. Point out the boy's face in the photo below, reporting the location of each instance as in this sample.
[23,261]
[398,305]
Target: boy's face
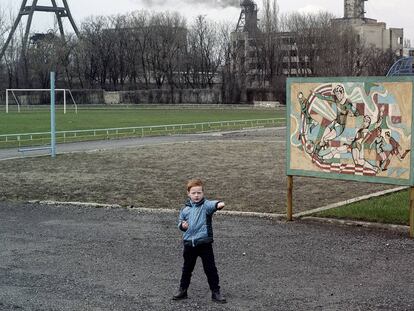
[196,194]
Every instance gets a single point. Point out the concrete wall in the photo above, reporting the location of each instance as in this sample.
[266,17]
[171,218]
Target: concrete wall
[179,96]
[374,33]
[100,97]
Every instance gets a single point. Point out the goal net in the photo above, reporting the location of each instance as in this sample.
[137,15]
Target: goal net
[37,97]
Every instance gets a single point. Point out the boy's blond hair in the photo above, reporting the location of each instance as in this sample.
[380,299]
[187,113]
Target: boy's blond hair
[194,183]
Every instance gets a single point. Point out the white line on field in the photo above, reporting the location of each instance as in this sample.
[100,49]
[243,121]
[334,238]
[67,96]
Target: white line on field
[357,199]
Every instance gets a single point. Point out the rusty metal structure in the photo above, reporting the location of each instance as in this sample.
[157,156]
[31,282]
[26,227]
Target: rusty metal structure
[29,10]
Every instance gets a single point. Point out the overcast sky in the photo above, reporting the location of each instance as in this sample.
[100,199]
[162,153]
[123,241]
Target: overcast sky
[395,13]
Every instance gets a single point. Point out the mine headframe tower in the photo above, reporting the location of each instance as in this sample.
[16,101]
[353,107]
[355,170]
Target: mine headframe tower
[60,12]
[248,17]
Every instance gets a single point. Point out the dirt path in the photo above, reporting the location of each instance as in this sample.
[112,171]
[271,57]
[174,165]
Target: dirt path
[244,168]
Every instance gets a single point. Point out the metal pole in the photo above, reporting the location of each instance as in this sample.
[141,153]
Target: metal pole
[52,115]
[289,213]
[7,101]
[59,20]
[72,22]
[411,212]
[64,101]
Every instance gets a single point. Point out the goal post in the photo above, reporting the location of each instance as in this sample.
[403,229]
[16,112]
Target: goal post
[11,94]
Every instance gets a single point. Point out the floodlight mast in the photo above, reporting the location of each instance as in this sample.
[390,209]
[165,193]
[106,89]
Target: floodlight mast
[29,10]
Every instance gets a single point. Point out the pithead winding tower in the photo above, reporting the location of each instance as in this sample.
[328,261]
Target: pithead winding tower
[29,10]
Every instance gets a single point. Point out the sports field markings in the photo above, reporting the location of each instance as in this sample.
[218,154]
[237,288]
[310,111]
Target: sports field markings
[346,202]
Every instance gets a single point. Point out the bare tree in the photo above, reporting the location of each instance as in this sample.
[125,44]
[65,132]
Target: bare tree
[119,36]
[41,59]
[321,47]
[270,46]
[98,43]
[12,57]
[138,48]
[230,89]
[155,50]
[3,26]
[205,52]
[167,46]
[378,62]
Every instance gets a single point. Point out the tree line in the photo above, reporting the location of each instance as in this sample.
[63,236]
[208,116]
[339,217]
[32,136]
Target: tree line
[145,50]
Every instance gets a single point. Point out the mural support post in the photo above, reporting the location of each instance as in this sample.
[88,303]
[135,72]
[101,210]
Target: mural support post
[411,212]
[289,213]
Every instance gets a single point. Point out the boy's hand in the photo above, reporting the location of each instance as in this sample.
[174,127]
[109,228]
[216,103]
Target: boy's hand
[220,205]
[184,225]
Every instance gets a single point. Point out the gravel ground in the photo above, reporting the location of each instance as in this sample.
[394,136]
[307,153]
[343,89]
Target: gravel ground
[78,258]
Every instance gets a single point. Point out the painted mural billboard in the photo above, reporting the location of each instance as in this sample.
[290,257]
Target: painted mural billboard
[356,128]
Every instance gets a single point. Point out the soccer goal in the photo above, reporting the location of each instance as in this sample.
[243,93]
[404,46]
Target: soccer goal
[14,94]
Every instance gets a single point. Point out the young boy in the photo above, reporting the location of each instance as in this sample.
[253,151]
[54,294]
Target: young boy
[195,221]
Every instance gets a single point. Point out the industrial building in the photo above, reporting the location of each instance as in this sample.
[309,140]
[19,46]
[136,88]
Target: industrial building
[370,31]
[248,40]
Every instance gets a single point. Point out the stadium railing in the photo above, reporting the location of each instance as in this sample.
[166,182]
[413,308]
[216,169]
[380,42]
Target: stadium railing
[41,138]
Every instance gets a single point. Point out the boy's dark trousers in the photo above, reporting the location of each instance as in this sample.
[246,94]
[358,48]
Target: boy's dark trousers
[190,254]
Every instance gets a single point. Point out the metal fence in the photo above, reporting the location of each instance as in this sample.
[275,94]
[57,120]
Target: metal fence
[41,138]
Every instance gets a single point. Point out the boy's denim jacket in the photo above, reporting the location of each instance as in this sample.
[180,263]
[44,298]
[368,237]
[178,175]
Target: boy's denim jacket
[199,217]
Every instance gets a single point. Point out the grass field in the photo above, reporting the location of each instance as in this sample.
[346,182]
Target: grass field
[39,120]
[391,209]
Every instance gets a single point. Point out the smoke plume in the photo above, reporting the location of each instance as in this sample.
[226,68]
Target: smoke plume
[211,3]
